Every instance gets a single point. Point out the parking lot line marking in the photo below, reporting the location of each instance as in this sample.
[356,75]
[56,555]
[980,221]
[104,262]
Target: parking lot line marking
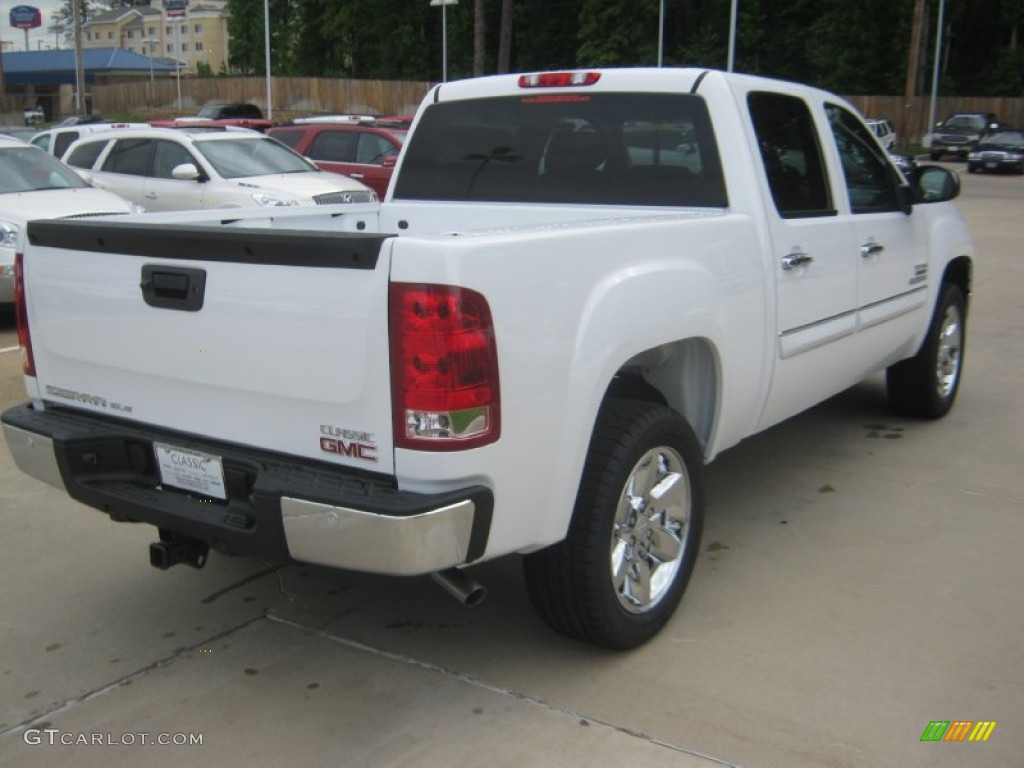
[9,349]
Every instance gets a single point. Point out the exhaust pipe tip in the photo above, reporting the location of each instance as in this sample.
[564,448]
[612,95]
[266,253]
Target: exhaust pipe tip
[461,586]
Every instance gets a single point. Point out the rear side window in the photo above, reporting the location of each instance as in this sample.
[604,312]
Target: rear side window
[291,138]
[64,140]
[604,148]
[334,146]
[791,155]
[129,156]
[85,154]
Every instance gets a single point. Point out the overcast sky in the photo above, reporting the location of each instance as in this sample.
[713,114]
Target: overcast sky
[14,39]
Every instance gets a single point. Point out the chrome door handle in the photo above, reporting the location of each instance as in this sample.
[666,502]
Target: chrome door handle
[356,175]
[150,195]
[871,249]
[794,260]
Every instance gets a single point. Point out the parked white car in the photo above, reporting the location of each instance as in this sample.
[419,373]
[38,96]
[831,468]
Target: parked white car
[57,140]
[165,169]
[884,130]
[34,185]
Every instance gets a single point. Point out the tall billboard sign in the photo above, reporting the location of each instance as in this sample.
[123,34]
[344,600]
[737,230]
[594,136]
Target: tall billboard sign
[26,17]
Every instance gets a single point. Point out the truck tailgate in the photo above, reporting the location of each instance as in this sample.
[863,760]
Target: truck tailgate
[272,339]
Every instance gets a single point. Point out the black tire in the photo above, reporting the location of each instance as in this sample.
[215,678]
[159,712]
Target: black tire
[571,584]
[926,385]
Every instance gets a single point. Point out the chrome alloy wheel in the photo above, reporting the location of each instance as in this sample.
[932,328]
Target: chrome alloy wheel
[650,529]
[947,359]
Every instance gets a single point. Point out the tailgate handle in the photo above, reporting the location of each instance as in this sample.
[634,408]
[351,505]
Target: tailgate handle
[178,288]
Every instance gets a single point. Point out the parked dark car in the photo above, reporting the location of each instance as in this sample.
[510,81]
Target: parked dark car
[1001,150]
[242,115]
[364,148]
[958,134]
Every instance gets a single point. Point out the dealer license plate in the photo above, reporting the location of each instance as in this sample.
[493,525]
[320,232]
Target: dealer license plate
[991,165]
[194,471]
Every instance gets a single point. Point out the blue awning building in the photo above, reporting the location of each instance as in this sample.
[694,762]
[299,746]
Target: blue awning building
[24,68]
[47,78]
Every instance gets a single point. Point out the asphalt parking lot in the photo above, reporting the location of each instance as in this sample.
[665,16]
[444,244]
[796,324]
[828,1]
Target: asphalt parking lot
[861,577]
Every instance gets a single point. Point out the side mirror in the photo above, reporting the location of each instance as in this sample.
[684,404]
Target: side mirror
[934,184]
[389,161]
[186,172]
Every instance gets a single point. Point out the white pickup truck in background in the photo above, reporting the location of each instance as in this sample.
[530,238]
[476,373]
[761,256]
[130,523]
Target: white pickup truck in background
[580,288]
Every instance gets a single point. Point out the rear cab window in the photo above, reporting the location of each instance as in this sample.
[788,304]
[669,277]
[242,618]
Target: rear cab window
[601,148]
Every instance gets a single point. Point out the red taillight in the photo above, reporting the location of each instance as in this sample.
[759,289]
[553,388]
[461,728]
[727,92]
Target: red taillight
[444,368]
[558,79]
[28,362]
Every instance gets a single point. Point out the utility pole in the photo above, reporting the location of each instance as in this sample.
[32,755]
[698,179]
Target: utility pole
[76,15]
[913,57]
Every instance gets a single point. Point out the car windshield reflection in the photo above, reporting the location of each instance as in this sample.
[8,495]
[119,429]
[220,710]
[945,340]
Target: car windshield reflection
[241,158]
[27,169]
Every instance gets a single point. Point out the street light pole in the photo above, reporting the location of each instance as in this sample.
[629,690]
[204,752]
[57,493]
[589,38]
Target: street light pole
[177,59]
[150,41]
[732,36]
[266,48]
[444,34]
[661,31]
[935,68]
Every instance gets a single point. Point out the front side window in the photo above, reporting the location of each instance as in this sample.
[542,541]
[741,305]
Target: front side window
[167,156]
[791,155]
[576,147]
[870,181]
[373,149]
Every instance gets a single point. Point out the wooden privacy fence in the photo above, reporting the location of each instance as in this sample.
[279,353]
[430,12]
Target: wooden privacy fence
[291,95]
[911,119]
[299,96]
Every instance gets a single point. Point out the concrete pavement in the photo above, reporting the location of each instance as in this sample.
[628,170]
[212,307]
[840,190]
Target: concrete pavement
[860,578]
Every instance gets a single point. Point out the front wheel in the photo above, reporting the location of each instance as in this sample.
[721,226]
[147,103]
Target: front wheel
[926,385]
[633,539]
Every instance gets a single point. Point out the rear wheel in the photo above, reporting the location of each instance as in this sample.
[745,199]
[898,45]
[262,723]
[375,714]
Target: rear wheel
[635,531]
[926,385]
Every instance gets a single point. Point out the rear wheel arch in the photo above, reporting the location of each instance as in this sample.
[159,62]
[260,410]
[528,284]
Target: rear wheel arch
[684,375]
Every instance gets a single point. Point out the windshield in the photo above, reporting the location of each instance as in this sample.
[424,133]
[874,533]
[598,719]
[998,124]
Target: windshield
[604,148]
[237,158]
[29,169]
[1005,139]
[973,123]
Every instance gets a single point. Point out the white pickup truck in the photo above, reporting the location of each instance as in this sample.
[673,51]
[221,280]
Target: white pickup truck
[580,288]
